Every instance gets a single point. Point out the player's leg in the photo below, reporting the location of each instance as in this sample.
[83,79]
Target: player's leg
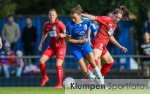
[79,58]
[97,54]
[60,54]
[96,70]
[90,57]
[46,55]
[83,67]
[109,63]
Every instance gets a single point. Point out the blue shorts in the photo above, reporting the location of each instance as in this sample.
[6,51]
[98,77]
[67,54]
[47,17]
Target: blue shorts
[81,53]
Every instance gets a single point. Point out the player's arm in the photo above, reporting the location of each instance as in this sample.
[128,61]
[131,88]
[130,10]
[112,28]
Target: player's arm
[63,29]
[68,39]
[42,40]
[89,33]
[62,35]
[1,43]
[91,17]
[114,41]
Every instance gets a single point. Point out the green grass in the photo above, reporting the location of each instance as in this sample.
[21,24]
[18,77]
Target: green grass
[30,90]
[50,90]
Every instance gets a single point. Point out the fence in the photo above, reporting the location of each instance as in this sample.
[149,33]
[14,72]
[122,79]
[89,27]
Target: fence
[72,69]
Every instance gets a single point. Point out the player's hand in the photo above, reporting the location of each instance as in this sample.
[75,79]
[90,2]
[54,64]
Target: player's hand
[84,41]
[62,35]
[40,47]
[124,49]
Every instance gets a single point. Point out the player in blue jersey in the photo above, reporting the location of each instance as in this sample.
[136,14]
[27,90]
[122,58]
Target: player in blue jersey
[78,36]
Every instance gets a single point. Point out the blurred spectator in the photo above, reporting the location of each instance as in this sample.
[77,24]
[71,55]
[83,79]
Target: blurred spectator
[146,51]
[146,25]
[11,32]
[146,45]
[20,63]
[7,63]
[29,38]
[31,69]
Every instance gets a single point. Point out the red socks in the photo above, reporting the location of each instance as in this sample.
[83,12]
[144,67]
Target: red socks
[59,75]
[105,68]
[43,70]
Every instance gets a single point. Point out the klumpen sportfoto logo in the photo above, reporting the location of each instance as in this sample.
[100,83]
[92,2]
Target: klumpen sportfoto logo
[111,84]
[86,86]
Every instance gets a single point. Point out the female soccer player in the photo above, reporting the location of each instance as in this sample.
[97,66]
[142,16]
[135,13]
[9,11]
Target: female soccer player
[105,33]
[55,29]
[78,36]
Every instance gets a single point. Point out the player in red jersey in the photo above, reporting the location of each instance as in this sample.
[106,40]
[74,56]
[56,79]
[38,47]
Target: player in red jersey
[54,29]
[105,34]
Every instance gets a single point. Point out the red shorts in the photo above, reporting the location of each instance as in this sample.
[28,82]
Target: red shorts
[101,47]
[60,52]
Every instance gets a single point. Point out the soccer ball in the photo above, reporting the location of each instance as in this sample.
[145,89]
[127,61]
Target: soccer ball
[67,82]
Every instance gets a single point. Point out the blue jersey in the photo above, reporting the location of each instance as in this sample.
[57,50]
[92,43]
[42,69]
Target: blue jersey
[94,29]
[78,31]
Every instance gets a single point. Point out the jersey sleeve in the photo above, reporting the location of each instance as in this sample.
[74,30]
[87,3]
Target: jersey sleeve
[69,29]
[103,19]
[94,28]
[62,27]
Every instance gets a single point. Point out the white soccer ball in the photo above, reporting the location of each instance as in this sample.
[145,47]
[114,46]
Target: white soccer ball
[67,82]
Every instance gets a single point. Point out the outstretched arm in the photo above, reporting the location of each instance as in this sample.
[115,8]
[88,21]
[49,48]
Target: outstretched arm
[42,40]
[91,17]
[114,41]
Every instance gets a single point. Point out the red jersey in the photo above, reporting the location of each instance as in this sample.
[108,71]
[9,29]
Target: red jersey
[53,30]
[106,30]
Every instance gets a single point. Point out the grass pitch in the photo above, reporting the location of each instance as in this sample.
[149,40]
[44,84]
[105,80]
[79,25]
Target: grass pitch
[30,90]
[50,90]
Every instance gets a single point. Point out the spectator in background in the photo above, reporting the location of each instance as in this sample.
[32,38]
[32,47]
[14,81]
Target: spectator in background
[146,25]
[7,63]
[146,45]
[146,51]
[29,38]
[11,32]
[20,63]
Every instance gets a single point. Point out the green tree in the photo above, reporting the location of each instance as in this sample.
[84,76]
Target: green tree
[6,8]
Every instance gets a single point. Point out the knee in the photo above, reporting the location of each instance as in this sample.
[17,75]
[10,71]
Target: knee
[41,61]
[59,62]
[111,61]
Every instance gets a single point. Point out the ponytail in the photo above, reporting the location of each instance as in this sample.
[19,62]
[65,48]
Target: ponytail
[77,9]
[127,14]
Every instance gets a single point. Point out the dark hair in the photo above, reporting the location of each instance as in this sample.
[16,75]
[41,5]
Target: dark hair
[28,17]
[77,9]
[126,14]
